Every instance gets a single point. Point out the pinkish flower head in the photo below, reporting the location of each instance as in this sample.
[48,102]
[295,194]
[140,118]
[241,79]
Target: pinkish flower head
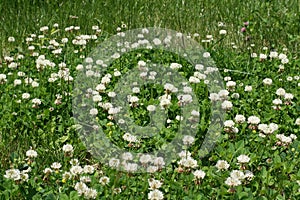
[246,23]
[243,29]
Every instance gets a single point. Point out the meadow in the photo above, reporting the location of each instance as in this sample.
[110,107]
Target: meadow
[227,124]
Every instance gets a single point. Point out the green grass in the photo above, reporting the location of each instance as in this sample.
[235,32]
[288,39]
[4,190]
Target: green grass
[273,22]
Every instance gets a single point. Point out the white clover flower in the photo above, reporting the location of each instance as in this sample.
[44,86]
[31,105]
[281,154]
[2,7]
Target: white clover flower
[273,54]
[280,92]
[158,161]
[152,169]
[47,171]
[229,123]
[156,41]
[155,195]
[248,175]
[81,188]
[13,174]
[133,99]
[104,180]
[169,87]
[263,56]
[145,158]
[151,108]
[248,88]
[277,102]
[297,122]
[184,154]
[3,78]
[93,111]
[227,105]
[288,96]
[31,153]
[76,170]
[56,166]
[243,158]
[214,97]
[193,79]
[199,174]
[253,120]
[237,174]
[97,98]
[44,28]
[284,60]
[11,39]
[136,90]
[232,182]
[127,156]
[230,84]
[223,94]
[222,165]
[129,138]
[188,162]
[239,118]
[195,113]
[188,140]
[253,55]
[154,184]
[36,101]
[67,148]
[130,167]
[25,96]
[90,193]
[199,67]
[67,175]
[222,32]
[113,162]
[175,66]
[267,81]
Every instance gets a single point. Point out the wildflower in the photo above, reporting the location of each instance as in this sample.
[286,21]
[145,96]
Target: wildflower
[253,120]
[56,166]
[154,184]
[113,162]
[188,140]
[239,118]
[89,169]
[232,182]
[222,165]
[227,105]
[280,92]
[93,111]
[13,174]
[243,159]
[151,108]
[199,174]
[155,195]
[222,32]
[104,180]
[297,122]
[130,167]
[248,88]
[11,39]
[47,171]
[81,188]
[145,158]
[175,66]
[237,174]
[31,153]
[76,170]
[90,193]
[267,81]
